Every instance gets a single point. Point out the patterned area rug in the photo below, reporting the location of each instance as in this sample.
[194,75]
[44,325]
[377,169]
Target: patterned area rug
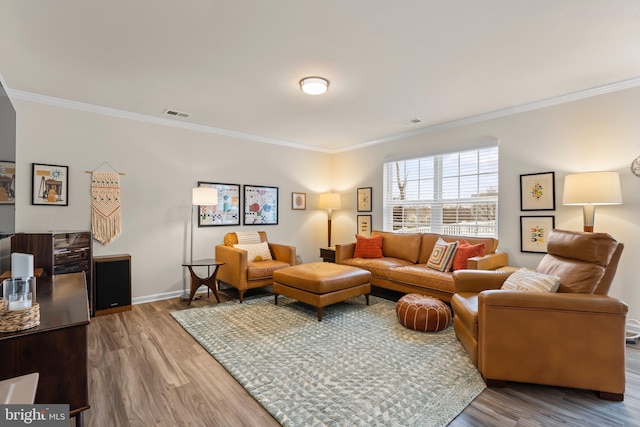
[358,367]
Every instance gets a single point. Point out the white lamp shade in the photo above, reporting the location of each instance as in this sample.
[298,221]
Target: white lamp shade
[329,201]
[314,85]
[592,188]
[21,265]
[204,196]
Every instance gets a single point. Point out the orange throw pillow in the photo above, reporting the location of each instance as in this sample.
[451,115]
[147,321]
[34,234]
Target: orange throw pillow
[466,251]
[368,247]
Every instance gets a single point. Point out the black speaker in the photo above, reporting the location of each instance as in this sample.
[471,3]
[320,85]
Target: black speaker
[112,284]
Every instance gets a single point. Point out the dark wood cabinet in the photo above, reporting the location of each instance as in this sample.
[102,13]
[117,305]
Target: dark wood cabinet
[57,348]
[58,253]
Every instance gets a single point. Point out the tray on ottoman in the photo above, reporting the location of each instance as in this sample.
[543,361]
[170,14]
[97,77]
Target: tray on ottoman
[320,284]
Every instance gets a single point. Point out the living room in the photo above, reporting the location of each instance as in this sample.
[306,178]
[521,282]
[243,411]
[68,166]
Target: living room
[592,129]
[595,133]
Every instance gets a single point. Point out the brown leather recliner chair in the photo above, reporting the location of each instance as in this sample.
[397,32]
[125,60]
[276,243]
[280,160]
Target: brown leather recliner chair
[574,338]
[244,274]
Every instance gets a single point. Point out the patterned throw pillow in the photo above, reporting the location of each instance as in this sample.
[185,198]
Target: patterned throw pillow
[442,255]
[532,281]
[368,247]
[256,251]
[466,251]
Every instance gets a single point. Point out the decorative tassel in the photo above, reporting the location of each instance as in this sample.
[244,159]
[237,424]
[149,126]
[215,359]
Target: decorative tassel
[105,206]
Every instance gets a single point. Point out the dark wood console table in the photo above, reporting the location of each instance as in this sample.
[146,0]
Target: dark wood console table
[57,348]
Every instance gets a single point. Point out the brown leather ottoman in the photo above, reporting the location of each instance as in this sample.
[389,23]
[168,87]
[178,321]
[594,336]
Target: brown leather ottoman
[320,284]
[423,313]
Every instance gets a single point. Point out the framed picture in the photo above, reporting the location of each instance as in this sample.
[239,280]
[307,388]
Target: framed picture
[534,231]
[364,225]
[260,205]
[49,185]
[364,199]
[298,201]
[227,211]
[7,183]
[537,192]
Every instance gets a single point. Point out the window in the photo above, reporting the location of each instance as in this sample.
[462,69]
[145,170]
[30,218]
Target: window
[452,193]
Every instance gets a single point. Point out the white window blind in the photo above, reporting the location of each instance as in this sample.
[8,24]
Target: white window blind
[453,193]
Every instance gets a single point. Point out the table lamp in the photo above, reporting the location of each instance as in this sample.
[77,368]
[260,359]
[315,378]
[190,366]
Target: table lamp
[330,202]
[21,265]
[590,189]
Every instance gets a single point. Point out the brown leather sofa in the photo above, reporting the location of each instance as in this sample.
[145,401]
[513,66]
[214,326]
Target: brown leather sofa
[403,265]
[573,338]
[243,274]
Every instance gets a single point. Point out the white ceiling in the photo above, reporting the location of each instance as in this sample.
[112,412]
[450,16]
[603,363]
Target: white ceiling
[235,64]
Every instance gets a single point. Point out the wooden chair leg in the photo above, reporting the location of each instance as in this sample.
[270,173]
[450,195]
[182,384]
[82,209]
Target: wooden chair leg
[615,397]
[495,383]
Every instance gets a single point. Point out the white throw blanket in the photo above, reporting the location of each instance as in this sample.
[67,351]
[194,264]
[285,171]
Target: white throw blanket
[248,237]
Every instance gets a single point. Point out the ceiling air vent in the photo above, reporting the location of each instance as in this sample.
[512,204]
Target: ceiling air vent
[176,113]
[413,121]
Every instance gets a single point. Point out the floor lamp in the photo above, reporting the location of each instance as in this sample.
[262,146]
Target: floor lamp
[200,196]
[330,202]
[590,189]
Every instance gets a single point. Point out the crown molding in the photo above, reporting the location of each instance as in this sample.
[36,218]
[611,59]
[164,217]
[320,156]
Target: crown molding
[114,112]
[549,102]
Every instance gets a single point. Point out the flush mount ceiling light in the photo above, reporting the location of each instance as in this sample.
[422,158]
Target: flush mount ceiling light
[314,85]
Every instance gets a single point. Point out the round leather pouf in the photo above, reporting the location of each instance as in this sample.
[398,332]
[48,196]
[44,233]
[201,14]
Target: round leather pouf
[423,313]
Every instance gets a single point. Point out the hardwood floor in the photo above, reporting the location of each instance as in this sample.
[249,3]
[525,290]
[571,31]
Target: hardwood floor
[145,370]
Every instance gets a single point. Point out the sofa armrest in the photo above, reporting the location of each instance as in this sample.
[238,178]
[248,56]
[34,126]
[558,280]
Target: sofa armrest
[344,251]
[476,281]
[488,262]
[566,302]
[234,269]
[570,340]
[283,253]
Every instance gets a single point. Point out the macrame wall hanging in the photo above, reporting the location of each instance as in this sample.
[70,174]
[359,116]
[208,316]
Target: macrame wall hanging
[105,205]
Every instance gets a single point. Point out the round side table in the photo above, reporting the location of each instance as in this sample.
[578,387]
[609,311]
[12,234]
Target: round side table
[210,282]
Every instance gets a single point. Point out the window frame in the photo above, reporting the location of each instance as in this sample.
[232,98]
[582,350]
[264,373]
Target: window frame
[425,209]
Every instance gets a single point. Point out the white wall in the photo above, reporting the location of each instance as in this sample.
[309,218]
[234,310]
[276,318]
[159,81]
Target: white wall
[598,133]
[161,164]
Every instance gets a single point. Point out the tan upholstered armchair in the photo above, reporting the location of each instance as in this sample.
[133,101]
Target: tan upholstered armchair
[573,338]
[243,273]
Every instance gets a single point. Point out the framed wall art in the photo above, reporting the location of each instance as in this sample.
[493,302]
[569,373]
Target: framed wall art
[227,211]
[49,185]
[537,192]
[260,205]
[364,199]
[298,201]
[635,166]
[364,225]
[534,231]
[7,182]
